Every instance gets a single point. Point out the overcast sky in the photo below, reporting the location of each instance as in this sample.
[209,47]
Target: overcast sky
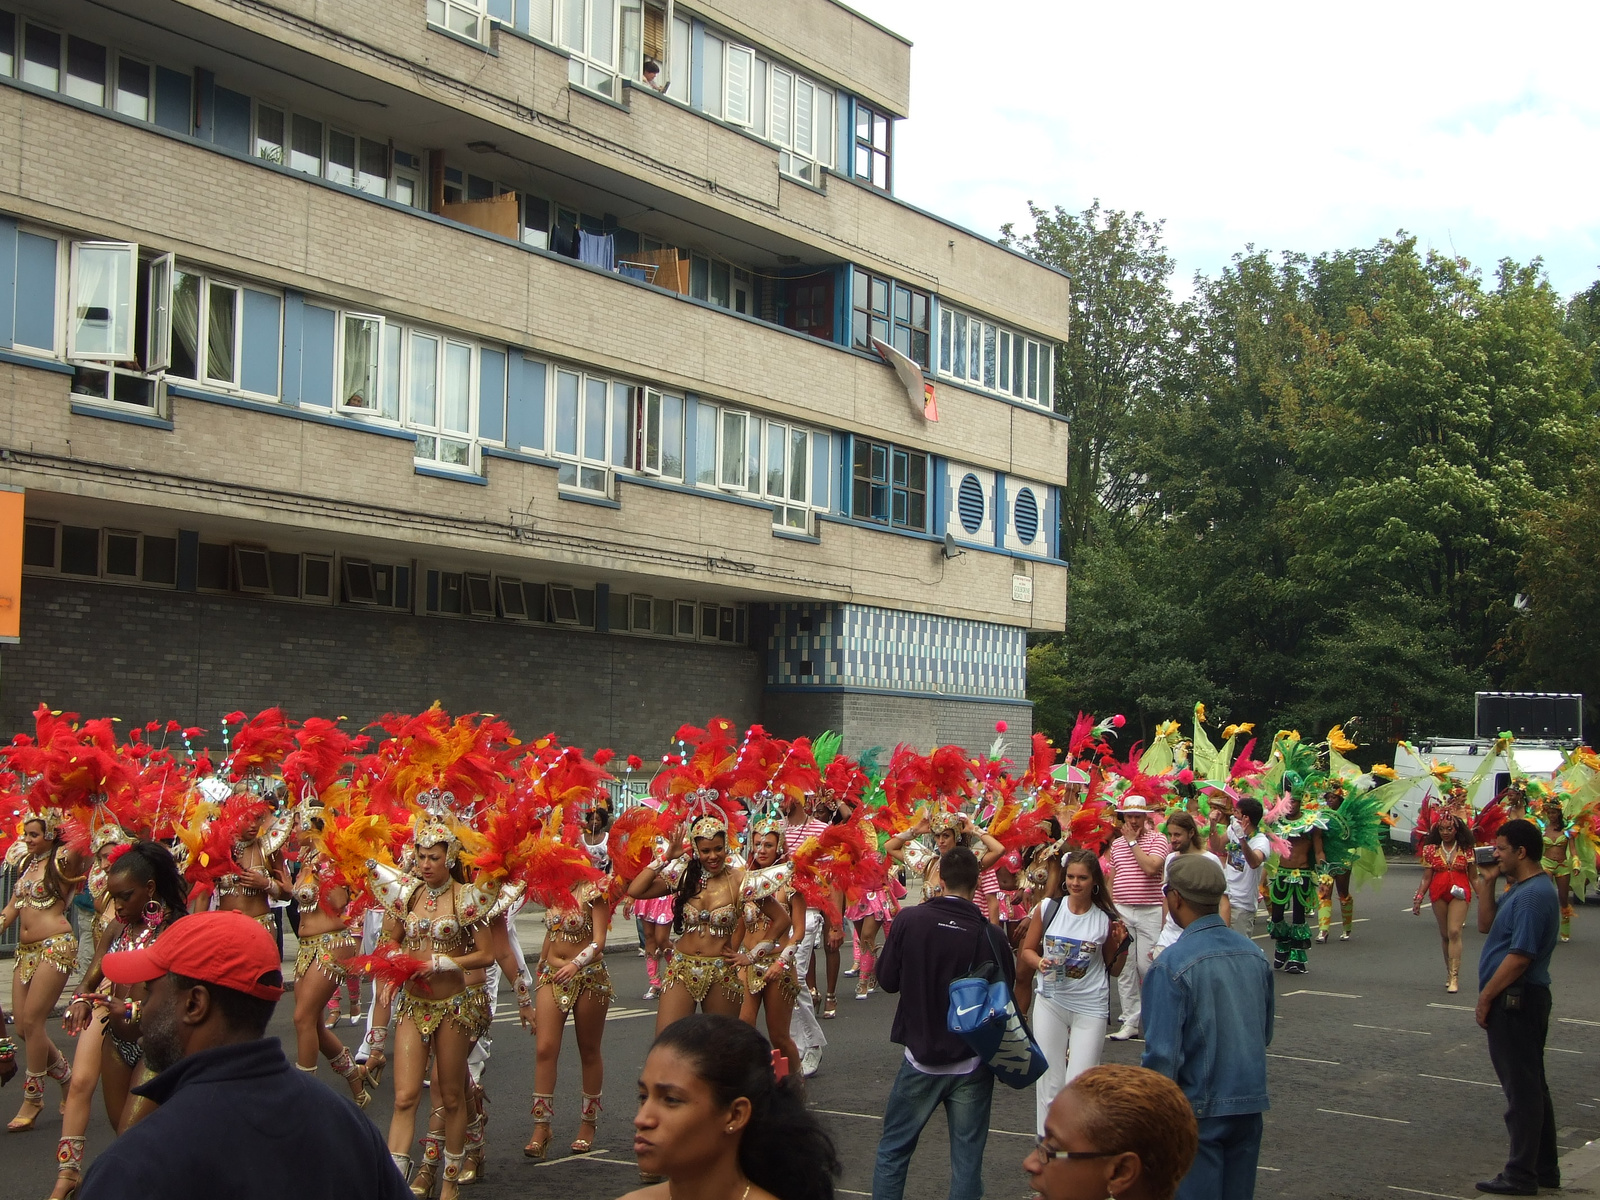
[1293,127]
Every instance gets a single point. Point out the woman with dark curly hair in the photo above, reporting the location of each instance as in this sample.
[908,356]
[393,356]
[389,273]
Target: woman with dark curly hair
[1118,1131]
[716,1121]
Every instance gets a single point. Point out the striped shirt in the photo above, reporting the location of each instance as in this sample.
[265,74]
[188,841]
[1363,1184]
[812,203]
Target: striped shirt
[795,836]
[1130,884]
[988,885]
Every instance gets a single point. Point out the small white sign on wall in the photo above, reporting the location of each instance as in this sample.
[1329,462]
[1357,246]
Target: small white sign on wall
[1022,588]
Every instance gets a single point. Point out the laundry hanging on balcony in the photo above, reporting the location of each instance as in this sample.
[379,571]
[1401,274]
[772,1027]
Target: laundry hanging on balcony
[597,249]
[918,390]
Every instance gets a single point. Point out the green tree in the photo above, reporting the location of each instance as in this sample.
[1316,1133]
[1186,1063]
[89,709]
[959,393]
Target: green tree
[1116,352]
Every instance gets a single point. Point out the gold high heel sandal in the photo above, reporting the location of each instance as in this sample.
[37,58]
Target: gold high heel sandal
[428,1169]
[32,1097]
[588,1115]
[543,1111]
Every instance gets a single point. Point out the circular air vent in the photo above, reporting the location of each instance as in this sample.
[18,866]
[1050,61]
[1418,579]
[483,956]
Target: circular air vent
[1026,516]
[970,503]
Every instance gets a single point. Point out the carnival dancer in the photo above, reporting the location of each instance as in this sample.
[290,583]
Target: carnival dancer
[1449,876]
[1074,948]
[774,918]
[949,830]
[1292,880]
[572,974]
[436,919]
[328,900]
[656,913]
[707,917]
[67,769]
[1336,878]
[147,896]
[705,886]
[1557,857]
[245,794]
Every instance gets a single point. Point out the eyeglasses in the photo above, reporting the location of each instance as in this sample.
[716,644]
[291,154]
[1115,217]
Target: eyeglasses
[1042,1149]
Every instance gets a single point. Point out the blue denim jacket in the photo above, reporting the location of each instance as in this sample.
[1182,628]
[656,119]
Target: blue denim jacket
[1207,1015]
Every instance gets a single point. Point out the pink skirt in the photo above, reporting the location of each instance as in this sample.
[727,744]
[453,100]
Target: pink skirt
[871,904]
[654,912]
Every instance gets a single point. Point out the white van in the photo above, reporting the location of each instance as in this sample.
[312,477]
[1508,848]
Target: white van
[1540,760]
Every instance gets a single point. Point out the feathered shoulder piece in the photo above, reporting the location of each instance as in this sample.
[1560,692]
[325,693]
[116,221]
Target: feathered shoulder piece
[1092,826]
[838,858]
[438,763]
[69,768]
[321,754]
[704,774]
[258,748]
[632,840]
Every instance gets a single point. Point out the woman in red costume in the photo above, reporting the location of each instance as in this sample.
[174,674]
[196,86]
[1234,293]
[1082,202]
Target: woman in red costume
[1448,875]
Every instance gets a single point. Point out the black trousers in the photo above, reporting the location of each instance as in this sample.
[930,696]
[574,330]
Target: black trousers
[1519,1020]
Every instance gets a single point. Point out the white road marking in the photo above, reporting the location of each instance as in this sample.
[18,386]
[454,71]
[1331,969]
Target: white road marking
[1339,1112]
[1335,995]
[1455,1079]
[848,1192]
[1393,1187]
[834,1112]
[598,1156]
[1559,1050]
[1012,1133]
[1269,1168]
[1327,1062]
[1454,1007]
[1390,1029]
[1576,1021]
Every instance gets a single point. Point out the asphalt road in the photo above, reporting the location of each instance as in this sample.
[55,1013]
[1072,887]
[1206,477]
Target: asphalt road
[1381,1084]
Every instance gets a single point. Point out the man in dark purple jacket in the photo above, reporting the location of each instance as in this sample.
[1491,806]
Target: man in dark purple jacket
[929,945]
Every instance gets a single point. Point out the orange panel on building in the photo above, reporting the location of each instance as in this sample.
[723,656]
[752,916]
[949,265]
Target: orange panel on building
[10,566]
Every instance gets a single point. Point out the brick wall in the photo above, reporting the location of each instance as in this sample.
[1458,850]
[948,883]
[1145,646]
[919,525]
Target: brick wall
[866,720]
[140,654]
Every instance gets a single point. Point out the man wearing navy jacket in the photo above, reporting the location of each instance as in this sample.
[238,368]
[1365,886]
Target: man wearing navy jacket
[236,1119]
[930,945]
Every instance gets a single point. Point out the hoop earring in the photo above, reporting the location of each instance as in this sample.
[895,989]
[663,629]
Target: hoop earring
[154,913]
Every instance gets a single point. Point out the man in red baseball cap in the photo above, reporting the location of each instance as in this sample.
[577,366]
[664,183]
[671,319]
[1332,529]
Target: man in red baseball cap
[235,1118]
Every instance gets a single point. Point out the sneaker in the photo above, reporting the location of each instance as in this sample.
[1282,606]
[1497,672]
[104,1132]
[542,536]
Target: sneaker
[1295,968]
[1125,1034]
[810,1061]
[850,971]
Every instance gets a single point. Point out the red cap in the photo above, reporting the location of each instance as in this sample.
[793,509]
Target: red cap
[228,949]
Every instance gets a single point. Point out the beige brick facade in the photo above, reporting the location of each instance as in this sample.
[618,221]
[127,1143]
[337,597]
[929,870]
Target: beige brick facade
[225,467]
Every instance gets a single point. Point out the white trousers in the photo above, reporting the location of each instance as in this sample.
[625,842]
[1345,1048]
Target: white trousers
[478,1056]
[804,1027]
[1071,1044]
[1144,923]
[371,928]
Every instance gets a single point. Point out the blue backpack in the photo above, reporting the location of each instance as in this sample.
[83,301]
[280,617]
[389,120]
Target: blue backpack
[984,1013]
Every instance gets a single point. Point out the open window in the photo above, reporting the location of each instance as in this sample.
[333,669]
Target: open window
[103,290]
[513,600]
[361,358]
[252,567]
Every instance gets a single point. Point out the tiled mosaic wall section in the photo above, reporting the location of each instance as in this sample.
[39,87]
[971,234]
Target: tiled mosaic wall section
[857,646]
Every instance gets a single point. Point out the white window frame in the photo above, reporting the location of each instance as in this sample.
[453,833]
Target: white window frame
[738,86]
[435,433]
[801,158]
[374,409]
[472,15]
[790,510]
[212,283]
[587,68]
[122,349]
[974,328]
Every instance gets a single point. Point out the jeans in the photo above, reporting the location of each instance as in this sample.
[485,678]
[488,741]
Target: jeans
[1144,926]
[1516,1048]
[1071,1043]
[1225,1165]
[911,1103]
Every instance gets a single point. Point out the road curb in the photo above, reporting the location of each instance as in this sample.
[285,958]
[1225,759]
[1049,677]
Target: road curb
[1581,1163]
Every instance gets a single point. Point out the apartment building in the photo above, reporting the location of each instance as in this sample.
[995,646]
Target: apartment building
[571,360]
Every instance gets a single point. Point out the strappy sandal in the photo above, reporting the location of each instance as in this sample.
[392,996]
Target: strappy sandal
[830,1008]
[543,1112]
[32,1097]
[588,1115]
